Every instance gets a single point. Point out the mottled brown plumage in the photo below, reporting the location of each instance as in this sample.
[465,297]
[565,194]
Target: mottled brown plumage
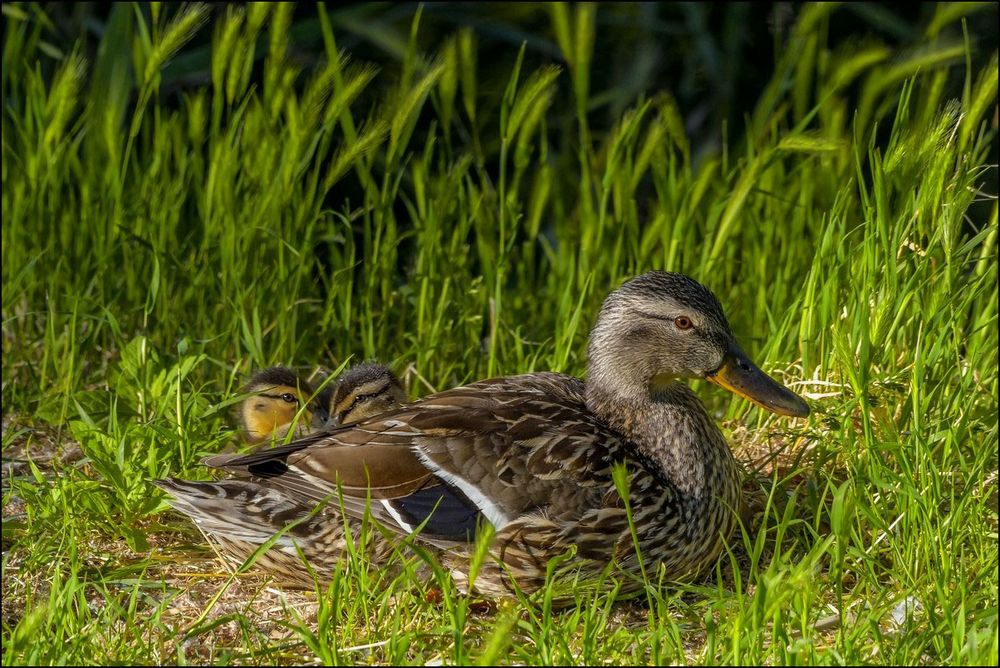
[533,456]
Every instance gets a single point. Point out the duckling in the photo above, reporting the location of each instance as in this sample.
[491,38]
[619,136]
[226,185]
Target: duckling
[624,473]
[277,395]
[365,390]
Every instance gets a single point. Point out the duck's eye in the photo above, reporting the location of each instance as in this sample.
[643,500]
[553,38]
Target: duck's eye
[683,323]
[290,398]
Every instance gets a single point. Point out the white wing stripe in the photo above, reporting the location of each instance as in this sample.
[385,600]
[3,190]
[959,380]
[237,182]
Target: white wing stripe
[493,513]
[396,516]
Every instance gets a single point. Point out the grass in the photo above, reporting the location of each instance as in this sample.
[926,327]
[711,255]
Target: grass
[158,248]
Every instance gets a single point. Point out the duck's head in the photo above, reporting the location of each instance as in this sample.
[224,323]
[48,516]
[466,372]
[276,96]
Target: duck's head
[277,394]
[661,326]
[365,390]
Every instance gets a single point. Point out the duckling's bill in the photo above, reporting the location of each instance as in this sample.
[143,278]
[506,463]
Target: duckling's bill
[741,376]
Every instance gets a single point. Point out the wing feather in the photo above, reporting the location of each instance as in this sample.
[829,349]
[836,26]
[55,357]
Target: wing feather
[504,447]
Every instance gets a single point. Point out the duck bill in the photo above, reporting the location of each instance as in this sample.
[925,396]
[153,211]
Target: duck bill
[316,417]
[741,376]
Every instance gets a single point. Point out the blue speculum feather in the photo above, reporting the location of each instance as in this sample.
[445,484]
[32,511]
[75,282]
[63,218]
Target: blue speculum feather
[448,513]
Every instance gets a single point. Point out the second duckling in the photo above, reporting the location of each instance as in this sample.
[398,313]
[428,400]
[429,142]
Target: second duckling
[365,390]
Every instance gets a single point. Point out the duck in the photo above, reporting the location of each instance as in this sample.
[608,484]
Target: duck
[362,391]
[567,481]
[276,396]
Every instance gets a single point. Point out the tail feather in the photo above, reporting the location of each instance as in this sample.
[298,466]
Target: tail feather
[239,516]
[241,510]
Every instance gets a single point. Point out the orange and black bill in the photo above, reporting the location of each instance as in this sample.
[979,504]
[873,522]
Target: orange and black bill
[741,376]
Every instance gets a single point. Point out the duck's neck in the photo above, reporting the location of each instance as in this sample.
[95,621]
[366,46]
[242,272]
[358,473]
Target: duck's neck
[669,425]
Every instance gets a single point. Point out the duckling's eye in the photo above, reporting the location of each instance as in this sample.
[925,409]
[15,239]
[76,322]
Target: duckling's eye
[288,397]
[683,323]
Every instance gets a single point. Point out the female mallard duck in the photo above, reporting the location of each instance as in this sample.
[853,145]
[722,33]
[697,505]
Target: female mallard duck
[533,456]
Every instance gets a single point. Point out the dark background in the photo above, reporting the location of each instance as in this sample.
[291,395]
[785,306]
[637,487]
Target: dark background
[715,59]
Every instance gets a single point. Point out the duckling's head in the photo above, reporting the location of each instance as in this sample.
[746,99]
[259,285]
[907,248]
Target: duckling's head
[365,390]
[276,396]
[661,326]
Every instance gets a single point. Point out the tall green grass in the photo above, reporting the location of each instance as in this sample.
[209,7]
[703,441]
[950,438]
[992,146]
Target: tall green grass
[156,248]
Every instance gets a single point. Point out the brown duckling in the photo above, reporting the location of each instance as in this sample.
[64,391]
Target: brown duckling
[365,390]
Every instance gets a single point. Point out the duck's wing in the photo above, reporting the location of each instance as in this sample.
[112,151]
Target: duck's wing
[384,477]
[498,448]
